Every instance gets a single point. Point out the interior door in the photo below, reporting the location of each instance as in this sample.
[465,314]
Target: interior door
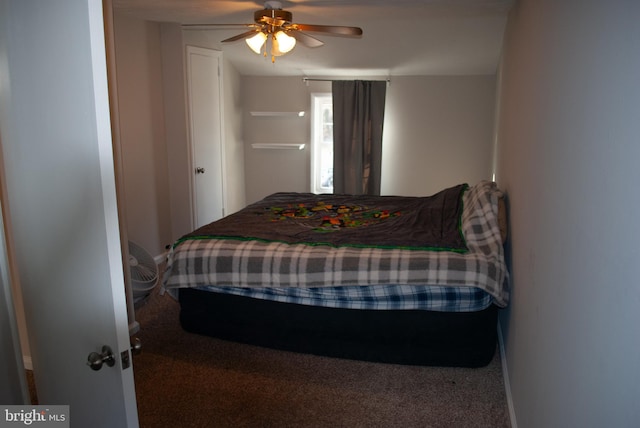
[61,200]
[204,101]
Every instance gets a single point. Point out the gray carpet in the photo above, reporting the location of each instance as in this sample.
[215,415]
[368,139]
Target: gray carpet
[186,380]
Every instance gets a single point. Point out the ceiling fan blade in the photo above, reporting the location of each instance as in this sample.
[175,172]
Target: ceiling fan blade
[305,39]
[240,36]
[329,29]
[216,26]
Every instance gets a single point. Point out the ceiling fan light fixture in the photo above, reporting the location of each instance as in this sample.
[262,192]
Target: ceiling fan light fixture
[256,42]
[285,42]
[275,33]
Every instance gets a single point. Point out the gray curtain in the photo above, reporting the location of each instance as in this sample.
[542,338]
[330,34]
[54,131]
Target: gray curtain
[358,115]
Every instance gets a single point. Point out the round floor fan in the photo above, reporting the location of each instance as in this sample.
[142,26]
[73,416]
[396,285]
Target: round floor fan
[144,271]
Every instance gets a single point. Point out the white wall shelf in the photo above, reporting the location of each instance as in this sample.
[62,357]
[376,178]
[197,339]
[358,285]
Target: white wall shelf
[278,146]
[277,113]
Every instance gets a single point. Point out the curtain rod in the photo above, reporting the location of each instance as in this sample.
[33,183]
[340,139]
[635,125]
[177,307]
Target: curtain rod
[308,79]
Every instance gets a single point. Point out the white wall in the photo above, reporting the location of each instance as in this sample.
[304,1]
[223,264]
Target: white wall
[568,159]
[437,133]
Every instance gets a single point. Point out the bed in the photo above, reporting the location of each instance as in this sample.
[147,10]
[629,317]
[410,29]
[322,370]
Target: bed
[403,280]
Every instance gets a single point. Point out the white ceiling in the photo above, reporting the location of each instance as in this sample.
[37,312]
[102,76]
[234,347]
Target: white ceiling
[400,37]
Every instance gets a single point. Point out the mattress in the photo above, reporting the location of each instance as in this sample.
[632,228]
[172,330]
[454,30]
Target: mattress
[380,297]
[416,337]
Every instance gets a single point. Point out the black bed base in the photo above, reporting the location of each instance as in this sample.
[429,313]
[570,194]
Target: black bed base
[456,339]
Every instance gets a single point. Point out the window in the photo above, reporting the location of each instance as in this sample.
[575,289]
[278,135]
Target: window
[321,143]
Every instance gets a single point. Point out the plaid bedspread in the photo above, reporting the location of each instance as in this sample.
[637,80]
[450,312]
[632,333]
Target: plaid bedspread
[258,264]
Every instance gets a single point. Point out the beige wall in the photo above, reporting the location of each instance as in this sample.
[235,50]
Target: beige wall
[268,170]
[176,133]
[235,188]
[142,134]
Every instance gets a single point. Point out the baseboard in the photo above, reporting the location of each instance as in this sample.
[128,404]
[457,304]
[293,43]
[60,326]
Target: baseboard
[507,383]
[28,364]
[134,328]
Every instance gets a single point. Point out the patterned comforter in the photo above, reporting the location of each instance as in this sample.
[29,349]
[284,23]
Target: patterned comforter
[231,259]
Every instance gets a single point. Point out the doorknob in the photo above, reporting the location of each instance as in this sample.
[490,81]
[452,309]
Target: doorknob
[136,346]
[199,170]
[96,360]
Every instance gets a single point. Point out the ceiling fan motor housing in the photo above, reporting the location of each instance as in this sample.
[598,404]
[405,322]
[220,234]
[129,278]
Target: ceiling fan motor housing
[274,17]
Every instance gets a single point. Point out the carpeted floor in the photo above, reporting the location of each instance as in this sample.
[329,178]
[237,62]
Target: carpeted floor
[186,380]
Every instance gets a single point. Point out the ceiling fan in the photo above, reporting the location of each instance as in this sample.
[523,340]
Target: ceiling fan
[275,31]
